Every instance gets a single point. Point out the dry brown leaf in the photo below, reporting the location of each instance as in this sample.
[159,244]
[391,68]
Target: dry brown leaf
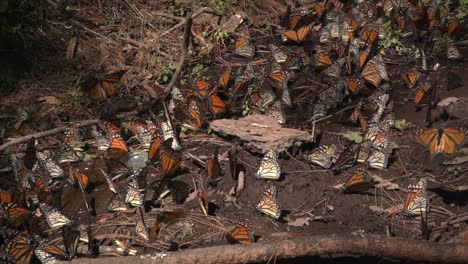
[457,161]
[301,221]
[386,184]
[192,196]
[240,182]
[394,209]
[50,100]
[71,48]
[376,209]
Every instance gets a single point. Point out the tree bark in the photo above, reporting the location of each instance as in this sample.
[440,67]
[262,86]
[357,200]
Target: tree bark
[371,245]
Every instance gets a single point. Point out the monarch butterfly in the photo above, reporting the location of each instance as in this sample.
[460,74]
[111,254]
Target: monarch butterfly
[67,155]
[117,148]
[194,111]
[16,215]
[411,77]
[44,256]
[139,129]
[79,177]
[269,168]
[244,46]
[276,111]
[243,76]
[108,127]
[225,77]
[53,216]
[241,234]
[416,202]
[18,249]
[324,156]
[278,55]
[204,88]
[140,227]
[337,4]
[117,203]
[452,25]
[351,20]
[71,237]
[203,202]
[362,59]
[363,153]
[374,71]
[347,158]
[442,140]
[431,16]
[170,158]
[279,80]
[133,194]
[297,35]
[335,69]
[177,100]
[378,159]
[11,197]
[321,59]
[381,140]
[263,98]
[54,170]
[268,203]
[369,33]
[168,133]
[105,87]
[319,8]
[153,149]
[73,139]
[423,92]
[453,53]
[102,142]
[358,182]
[354,84]
[213,170]
[217,106]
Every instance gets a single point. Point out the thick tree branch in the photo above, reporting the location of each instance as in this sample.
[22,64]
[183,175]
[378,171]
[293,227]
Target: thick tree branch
[371,245]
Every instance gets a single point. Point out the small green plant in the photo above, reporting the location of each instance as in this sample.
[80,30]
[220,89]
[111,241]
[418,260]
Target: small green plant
[220,6]
[166,73]
[439,45]
[198,71]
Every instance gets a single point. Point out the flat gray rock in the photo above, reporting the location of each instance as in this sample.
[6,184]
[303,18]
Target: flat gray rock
[261,133]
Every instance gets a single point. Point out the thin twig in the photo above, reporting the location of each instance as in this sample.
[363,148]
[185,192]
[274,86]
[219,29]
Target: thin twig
[183,56]
[183,22]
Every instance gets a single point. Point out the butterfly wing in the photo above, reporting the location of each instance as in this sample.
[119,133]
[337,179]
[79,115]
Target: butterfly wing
[241,234]
[269,204]
[269,168]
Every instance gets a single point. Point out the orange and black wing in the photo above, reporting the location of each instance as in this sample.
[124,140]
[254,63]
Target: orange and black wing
[241,234]
[170,158]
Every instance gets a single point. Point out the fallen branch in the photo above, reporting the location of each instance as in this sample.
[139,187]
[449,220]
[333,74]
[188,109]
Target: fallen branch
[183,56]
[371,245]
[56,130]
[45,133]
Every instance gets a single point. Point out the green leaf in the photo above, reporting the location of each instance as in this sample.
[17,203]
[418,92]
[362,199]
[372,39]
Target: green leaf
[402,124]
[354,137]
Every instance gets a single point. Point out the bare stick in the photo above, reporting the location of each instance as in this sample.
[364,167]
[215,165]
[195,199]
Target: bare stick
[183,22]
[56,130]
[371,245]
[45,133]
[183,56]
